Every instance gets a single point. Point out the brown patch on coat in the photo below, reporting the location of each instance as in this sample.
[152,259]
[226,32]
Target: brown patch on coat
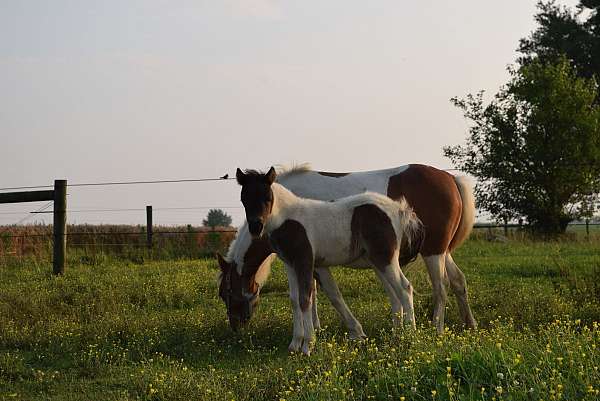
[257,252]
[435,198]
[373,232]
[292,245]
[335,175]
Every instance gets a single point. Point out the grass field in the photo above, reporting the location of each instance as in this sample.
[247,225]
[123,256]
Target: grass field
[115,330]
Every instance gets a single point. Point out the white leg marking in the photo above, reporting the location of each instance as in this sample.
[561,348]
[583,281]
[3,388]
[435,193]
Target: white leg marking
[309,331]
[436,268]
[397,309]
[298,336]
[329,286]
[315,314]
[401,287]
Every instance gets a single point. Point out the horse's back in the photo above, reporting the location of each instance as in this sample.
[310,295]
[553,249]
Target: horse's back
[435,199]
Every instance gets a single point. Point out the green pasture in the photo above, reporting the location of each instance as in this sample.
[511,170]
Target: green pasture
[116,330]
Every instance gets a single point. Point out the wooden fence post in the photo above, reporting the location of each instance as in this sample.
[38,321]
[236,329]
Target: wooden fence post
[587,228]
[149,226]
[60,226]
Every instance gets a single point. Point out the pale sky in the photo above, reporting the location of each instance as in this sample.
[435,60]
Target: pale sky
[149,89]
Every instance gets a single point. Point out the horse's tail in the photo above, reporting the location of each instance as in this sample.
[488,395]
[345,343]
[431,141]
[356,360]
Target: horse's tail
[467,217]
[414,234]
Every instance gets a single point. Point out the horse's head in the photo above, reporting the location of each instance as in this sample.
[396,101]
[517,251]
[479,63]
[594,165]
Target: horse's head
[239,292]
[257,197]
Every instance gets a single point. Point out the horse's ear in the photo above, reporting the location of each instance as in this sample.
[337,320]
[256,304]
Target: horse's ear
[222,262]
[240,176]
[271,175]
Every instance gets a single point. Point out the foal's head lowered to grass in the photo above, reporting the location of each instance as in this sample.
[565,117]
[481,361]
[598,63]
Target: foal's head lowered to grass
[239,292]
[257,197]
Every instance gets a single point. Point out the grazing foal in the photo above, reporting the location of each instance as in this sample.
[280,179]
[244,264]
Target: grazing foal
[365,229]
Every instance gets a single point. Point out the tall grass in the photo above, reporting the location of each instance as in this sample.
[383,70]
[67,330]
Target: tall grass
[119,330]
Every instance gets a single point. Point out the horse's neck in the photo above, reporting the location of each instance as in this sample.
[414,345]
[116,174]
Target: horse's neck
[283,201]
[239,246]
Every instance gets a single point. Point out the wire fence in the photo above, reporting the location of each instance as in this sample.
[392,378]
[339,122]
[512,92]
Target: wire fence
[105,237]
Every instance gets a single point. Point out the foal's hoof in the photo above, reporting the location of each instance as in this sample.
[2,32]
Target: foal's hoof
[357,336]
[472,324]
[295,345]
[306,348]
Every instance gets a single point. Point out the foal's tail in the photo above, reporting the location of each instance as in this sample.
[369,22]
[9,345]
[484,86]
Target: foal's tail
[467,217]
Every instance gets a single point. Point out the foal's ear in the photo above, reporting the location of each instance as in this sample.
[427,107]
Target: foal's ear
[271,175]
[240,176]
[222,262]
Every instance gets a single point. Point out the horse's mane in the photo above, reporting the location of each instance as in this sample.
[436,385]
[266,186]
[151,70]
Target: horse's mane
[284,171]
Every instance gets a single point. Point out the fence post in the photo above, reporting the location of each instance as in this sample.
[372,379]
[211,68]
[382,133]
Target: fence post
[506,227]
[587,227]
[149,226]
[60,226]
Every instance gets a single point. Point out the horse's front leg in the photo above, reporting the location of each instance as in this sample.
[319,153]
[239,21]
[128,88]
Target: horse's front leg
[298,330]
[300,277]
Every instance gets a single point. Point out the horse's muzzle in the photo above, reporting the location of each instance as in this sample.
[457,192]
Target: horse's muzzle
[255,227]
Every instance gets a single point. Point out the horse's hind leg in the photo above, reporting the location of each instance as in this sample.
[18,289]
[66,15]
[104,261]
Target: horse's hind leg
[436,268]
[315,314]
[329,286]
[397,309]
[458,283]
[397,281]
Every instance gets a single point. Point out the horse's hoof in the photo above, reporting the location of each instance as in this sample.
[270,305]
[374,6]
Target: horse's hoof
[306,349]
[357,336]
[295,345]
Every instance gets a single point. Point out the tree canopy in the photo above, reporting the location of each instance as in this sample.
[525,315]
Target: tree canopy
[536,146]
[217,218]
[565,32]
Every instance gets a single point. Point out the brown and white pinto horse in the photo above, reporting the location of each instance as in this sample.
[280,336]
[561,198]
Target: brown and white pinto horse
[310,235]
[444,203]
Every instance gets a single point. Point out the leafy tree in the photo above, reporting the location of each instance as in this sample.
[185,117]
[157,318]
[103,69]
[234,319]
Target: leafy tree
[535,147]
[217,217]
[562,31]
